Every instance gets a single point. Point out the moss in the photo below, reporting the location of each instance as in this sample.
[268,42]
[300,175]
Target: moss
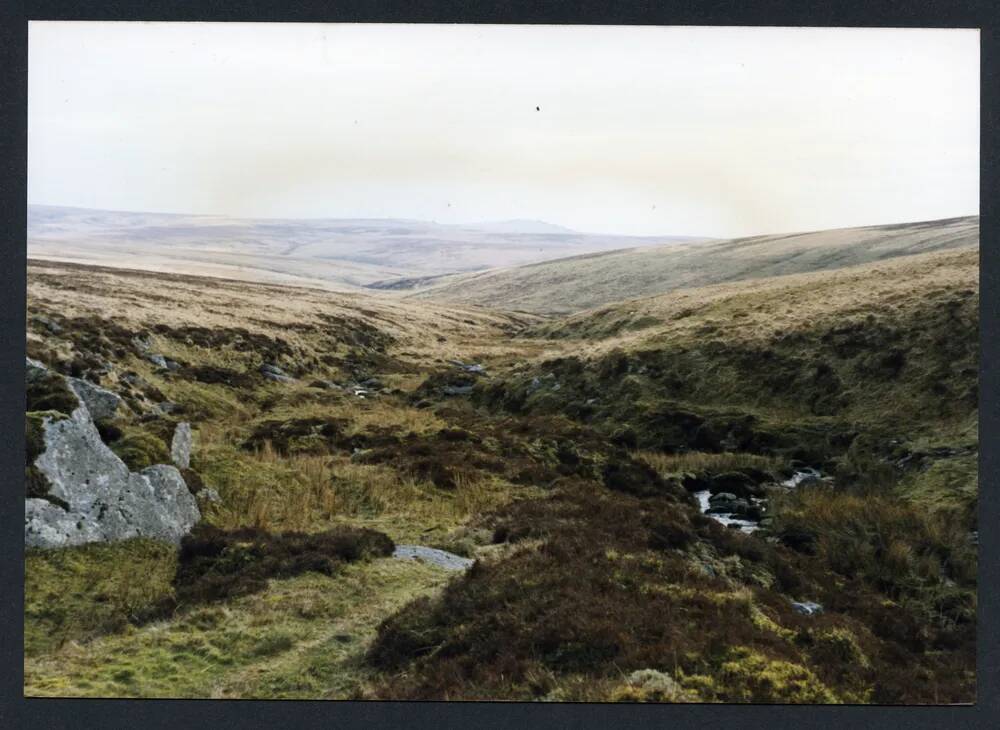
[51,393]
[749,676]
[838,647]
[140,449]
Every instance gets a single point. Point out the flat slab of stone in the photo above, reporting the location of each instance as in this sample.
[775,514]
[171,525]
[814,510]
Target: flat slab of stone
[440,558]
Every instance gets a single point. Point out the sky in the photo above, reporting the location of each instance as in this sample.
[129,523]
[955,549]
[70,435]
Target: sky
[635,130]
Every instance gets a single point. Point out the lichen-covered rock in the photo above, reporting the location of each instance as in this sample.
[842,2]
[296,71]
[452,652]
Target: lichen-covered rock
[103,500]
[101,403]
[34,370]
[180,446]
[209,495]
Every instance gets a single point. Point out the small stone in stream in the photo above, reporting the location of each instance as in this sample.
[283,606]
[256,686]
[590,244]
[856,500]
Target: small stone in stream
[736,507]
[722,497]
[807,608]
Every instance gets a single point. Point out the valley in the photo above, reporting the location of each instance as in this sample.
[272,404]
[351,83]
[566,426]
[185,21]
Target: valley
[569,450]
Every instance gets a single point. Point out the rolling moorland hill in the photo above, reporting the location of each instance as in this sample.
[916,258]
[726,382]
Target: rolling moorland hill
[337,254]
[567,466]
[574,284]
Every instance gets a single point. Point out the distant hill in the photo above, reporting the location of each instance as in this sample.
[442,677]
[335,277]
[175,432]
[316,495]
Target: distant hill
[343,254]
[581,282]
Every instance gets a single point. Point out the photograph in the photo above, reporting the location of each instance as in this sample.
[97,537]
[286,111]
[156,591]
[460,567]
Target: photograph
[501,363]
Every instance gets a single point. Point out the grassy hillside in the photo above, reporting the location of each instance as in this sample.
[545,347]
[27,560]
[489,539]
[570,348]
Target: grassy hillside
[565,471]
[578,283]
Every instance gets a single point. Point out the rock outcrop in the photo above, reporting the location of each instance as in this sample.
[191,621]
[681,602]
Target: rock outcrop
[180,446]
[93,495]
[101,403]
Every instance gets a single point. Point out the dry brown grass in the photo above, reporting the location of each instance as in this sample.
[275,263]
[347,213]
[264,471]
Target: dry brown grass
[137,299]
[698,461]
[582,282]
[758,310]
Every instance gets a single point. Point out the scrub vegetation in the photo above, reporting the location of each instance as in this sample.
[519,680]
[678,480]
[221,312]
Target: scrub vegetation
[567,470]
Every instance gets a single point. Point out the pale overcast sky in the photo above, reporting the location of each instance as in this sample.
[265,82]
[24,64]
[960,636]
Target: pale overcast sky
[700,131]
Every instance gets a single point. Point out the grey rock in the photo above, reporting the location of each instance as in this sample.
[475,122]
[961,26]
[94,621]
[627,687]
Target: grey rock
[101,403]
[53,327]
[722,497]
[209,495]
[172,364]
[807,608]
[142,345]
[166,407]
[133,379]
[105,502]
[180,445]
[34,370]
[456,389]
[158,360]
[277,377]
[325,384]
[440,558]
[269,367]
[360,455]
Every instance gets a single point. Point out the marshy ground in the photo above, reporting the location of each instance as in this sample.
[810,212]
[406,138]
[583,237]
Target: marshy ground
[566,470]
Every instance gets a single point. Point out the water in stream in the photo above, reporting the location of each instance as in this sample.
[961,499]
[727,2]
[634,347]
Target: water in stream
[744,524]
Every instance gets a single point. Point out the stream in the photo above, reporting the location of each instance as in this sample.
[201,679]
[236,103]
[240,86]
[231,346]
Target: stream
[745,523]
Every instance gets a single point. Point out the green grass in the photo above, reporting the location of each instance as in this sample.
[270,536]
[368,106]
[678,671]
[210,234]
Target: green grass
[298,639]
[74,594]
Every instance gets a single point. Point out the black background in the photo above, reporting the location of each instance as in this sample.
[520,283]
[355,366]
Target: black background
[17,712]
